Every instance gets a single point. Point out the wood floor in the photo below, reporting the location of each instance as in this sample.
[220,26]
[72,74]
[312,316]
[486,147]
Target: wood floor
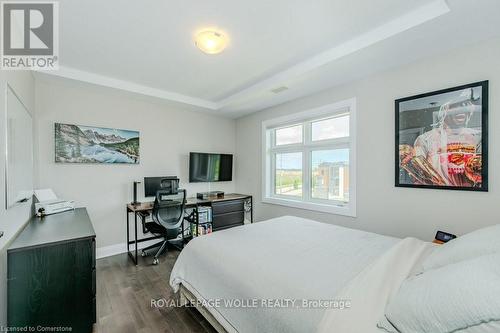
[125,291]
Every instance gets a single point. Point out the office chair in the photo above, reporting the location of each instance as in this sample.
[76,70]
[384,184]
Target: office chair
[168,215]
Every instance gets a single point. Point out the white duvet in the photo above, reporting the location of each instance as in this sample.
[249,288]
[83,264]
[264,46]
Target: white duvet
[286,258]
[373,287]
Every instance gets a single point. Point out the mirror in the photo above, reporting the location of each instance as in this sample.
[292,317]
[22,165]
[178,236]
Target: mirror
[19,153]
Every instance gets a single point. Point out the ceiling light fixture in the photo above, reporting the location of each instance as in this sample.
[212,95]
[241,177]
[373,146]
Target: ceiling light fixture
[211,41]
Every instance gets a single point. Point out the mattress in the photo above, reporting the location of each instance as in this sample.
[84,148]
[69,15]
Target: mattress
[268,276]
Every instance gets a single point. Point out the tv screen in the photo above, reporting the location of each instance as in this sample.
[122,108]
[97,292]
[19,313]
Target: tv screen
[205,167]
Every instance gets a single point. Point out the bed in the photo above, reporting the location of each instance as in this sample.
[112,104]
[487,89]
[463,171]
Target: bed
[278,275]
[286,258]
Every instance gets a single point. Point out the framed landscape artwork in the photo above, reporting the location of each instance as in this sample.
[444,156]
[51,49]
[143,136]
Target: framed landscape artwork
[442,139]
[86,144]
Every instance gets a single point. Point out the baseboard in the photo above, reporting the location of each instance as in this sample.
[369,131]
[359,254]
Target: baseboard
[112,250]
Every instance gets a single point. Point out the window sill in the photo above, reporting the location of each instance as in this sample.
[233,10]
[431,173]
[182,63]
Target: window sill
[331,209]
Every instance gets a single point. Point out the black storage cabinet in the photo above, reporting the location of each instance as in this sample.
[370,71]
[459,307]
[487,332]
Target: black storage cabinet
[51,274]
[227,214]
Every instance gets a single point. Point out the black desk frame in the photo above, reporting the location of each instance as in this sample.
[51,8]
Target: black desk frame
[135,241]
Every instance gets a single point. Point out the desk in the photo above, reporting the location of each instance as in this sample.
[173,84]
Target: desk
[224,210]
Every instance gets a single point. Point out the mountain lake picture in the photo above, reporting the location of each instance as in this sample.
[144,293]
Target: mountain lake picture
[86,144]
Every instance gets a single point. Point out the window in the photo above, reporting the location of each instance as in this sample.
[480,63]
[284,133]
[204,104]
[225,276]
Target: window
[309,159]
[288,135]
[331,128]
[330,174]
[288,174]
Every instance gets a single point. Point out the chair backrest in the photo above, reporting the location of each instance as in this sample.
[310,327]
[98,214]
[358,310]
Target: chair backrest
[168,209]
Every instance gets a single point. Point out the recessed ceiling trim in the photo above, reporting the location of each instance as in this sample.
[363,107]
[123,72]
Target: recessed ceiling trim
[396,26]
[75,74]
[405,22]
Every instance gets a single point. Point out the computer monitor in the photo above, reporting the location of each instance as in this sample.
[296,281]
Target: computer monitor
[155,184]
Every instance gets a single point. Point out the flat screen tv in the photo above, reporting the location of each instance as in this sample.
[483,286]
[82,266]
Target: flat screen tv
[204,167]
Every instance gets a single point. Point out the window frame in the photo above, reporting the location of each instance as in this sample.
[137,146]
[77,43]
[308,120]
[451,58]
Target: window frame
[306,118]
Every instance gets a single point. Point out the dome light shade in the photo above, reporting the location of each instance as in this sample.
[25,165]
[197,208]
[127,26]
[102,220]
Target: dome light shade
[210,41]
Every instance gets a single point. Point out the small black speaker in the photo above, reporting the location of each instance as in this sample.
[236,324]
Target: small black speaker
[135,202]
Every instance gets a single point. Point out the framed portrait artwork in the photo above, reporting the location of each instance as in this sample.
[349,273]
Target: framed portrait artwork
[442,139]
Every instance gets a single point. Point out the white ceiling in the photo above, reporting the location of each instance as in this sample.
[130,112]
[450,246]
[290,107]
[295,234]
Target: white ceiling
[147,47]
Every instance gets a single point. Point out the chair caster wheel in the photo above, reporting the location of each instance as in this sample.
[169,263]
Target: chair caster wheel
[155,261]
[144,254]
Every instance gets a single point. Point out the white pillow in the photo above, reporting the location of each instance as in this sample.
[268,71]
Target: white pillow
[461,297]
[477,243]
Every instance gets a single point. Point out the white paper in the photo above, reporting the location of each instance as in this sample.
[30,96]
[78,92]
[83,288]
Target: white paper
[45,195]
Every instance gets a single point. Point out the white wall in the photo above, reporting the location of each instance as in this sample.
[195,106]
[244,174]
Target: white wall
[167,135]
[13,219]
[381,207]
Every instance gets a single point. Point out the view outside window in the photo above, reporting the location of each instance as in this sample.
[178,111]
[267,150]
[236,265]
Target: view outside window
[289,135]
[288,174]
[332,128]
[308,163]
[330,174]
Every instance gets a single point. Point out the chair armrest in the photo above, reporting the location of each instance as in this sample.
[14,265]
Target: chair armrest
[143,216]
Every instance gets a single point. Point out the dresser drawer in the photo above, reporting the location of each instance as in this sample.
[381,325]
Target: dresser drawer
[93,253]
[94,310]
[224,207]
[229,219]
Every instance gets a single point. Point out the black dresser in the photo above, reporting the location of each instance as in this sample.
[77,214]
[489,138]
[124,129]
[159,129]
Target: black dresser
[51,274]
[228,213]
